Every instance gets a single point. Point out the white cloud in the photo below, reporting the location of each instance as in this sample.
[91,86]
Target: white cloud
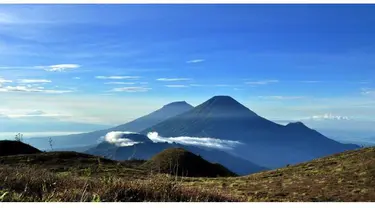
[311,81]
[131,89]
[222,85]
[2,80]
[196,85]
[76,78]
[176,86]
[117,77]
[119,83]
[118,138]
[327,116]
[35,113]
[172,79]
[31,89]
[194,61]
[195,141]
[31,81]
[58,67]
[279,97]
[262,82]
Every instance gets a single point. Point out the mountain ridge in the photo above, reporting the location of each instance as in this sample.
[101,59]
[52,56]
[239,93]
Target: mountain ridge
[222,117]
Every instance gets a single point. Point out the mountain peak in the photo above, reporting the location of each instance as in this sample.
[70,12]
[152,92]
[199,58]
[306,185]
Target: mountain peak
[226,104]
[298,124]
[177,104]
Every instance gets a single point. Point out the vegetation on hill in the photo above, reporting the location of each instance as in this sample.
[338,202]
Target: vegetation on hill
[29,185]
[177,161]
[71,176]
[8,147]
[349,176]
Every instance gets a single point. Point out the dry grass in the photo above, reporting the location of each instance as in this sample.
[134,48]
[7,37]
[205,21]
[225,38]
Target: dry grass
[349,177]
[29,185]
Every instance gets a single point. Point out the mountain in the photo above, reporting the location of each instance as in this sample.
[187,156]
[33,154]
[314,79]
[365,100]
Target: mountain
[44,124]
[263,142]
[8,147]
[344,177]
[146,151]
[84,139]
[178,161]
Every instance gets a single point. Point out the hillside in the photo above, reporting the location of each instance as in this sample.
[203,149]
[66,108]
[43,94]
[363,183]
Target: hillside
[8,147]
[264,142]
[76,177]
[139,124]
[348,176]
[146,151]
[177,161]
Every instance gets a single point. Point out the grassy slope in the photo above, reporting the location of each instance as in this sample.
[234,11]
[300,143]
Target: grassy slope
[70,176]
[177,161]
[349,176]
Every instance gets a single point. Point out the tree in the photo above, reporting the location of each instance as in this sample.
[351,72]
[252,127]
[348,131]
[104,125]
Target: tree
[50,141]
[19,137]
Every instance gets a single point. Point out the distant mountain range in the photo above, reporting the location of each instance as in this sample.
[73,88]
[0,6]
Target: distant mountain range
[44,124]
[86,139]
[259,142]
[264,142]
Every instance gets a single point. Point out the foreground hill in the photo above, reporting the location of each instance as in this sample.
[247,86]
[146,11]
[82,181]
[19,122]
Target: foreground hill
[8,147]
[348,176]
[76,177]
[146,151]
[263,142]
[90,138]
[177,161]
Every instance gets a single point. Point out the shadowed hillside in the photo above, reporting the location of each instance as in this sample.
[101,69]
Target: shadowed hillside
[177,161]
[348,176]
[8,147]
[146,151]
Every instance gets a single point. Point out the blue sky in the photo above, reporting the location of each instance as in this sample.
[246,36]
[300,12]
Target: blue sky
[110,64]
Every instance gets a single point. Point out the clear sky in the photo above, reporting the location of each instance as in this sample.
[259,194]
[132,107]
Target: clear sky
[110,64]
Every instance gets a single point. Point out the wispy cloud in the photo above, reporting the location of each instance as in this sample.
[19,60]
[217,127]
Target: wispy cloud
[36,113]
[176,86]
[310,81]
[2,80]
[33,81]
[262,82]
[117,77]
[195,141]
[51,68]
[327,116]
[194,61]
[173,79]
[367,91]
[58,67]
[223,85]
[76,78]
[279,97]
[31,89]
[196,85]
[120,83]
[131,89]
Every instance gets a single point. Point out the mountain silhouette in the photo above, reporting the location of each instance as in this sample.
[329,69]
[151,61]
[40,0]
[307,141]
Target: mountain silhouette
[139,124]
[178,161]
[264,142]
[8,148]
